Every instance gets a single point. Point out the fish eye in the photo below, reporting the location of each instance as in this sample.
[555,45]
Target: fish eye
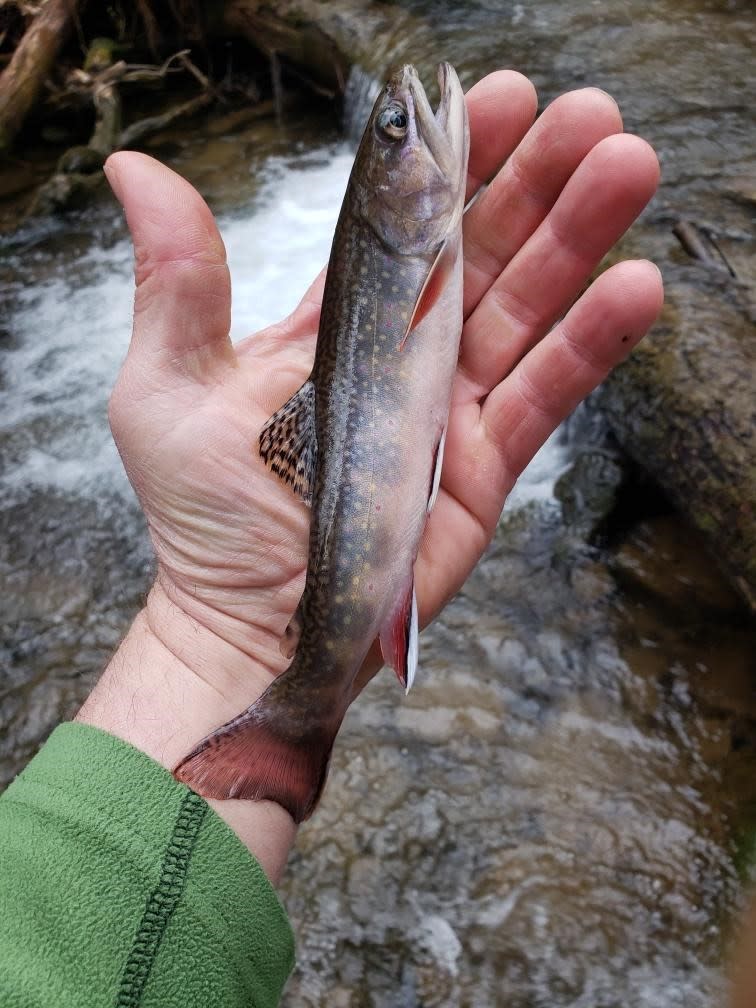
[393,122]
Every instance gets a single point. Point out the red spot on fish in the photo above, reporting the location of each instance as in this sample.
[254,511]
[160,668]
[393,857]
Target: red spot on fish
[377,507]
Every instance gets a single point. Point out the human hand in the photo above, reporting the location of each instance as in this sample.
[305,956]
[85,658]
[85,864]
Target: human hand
[230,538]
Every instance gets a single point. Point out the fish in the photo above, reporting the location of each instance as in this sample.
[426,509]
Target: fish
[362,443]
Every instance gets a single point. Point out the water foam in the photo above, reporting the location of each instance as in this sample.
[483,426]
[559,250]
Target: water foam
[71,331]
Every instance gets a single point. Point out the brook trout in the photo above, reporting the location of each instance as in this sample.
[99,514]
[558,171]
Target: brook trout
[361,441]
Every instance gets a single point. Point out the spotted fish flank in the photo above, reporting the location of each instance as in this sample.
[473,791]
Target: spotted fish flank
[362,442]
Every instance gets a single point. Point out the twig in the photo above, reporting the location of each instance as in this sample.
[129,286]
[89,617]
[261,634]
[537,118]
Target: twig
[318,89]
[275,76]
[193,70]
[151,124]
[79,31]
[720,253]
[689,235]
[150,26]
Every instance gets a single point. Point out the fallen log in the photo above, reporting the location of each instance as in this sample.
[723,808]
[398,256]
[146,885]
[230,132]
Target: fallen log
[23,78]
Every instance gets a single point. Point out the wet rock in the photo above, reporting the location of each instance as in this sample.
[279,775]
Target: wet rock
[65,190]
[588,491]
[67,600]
[325,39]
[742,189]
[430,978]
[664,557]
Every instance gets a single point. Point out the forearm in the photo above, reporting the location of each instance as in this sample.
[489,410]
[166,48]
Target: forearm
[160,693]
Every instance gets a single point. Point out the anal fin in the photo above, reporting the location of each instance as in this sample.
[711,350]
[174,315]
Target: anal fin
[399,639]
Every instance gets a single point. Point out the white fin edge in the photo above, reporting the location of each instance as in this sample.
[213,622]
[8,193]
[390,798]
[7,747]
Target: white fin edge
[437,471]
[419,308]
[412,645]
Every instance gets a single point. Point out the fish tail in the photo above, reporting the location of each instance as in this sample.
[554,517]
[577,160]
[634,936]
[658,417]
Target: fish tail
[266,753]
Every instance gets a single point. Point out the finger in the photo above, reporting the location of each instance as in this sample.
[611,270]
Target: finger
[598,204]
[182,305]
[528,185]
[595,335]
[501,109]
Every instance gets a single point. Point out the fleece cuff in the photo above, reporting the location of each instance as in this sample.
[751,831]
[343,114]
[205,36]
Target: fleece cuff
[119,886]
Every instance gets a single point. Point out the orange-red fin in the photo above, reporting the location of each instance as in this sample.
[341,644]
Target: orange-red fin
[258,756]
[434,284]
[288,444]
[399,639]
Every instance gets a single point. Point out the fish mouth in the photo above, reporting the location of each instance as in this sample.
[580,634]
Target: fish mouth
[445,130]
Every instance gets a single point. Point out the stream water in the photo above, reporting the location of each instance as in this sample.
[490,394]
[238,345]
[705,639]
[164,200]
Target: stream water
[554,817]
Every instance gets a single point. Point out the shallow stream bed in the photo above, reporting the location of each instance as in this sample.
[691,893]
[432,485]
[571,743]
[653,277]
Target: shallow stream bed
[556,814]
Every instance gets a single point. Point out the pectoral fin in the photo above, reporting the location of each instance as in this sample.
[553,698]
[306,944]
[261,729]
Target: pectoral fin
[288,444]
[434,284]
[399,638]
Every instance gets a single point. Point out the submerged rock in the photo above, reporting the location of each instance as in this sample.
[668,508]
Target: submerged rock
[67,601]
[588,491]
[664,558]
[542,820]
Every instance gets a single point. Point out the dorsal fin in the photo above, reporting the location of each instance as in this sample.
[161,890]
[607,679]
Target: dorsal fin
[288,444]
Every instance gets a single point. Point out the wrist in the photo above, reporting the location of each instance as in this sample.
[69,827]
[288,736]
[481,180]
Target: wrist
[170,683]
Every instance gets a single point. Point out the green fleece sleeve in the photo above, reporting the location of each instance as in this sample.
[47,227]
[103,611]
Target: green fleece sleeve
[120,887]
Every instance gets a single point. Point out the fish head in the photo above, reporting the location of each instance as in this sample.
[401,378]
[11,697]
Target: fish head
[411,168]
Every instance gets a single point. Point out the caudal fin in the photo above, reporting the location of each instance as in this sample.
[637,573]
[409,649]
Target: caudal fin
[264,753]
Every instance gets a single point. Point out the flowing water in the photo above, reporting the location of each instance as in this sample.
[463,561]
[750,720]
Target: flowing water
[554,816]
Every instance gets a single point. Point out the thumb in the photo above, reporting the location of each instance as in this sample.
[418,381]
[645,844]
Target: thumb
[182,306]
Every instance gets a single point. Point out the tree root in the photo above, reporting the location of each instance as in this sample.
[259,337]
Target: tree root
[78,173]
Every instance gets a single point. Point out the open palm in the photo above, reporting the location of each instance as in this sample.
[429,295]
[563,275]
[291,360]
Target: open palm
[230,538]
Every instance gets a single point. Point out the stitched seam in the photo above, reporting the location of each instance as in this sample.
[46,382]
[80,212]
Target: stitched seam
[162,901]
